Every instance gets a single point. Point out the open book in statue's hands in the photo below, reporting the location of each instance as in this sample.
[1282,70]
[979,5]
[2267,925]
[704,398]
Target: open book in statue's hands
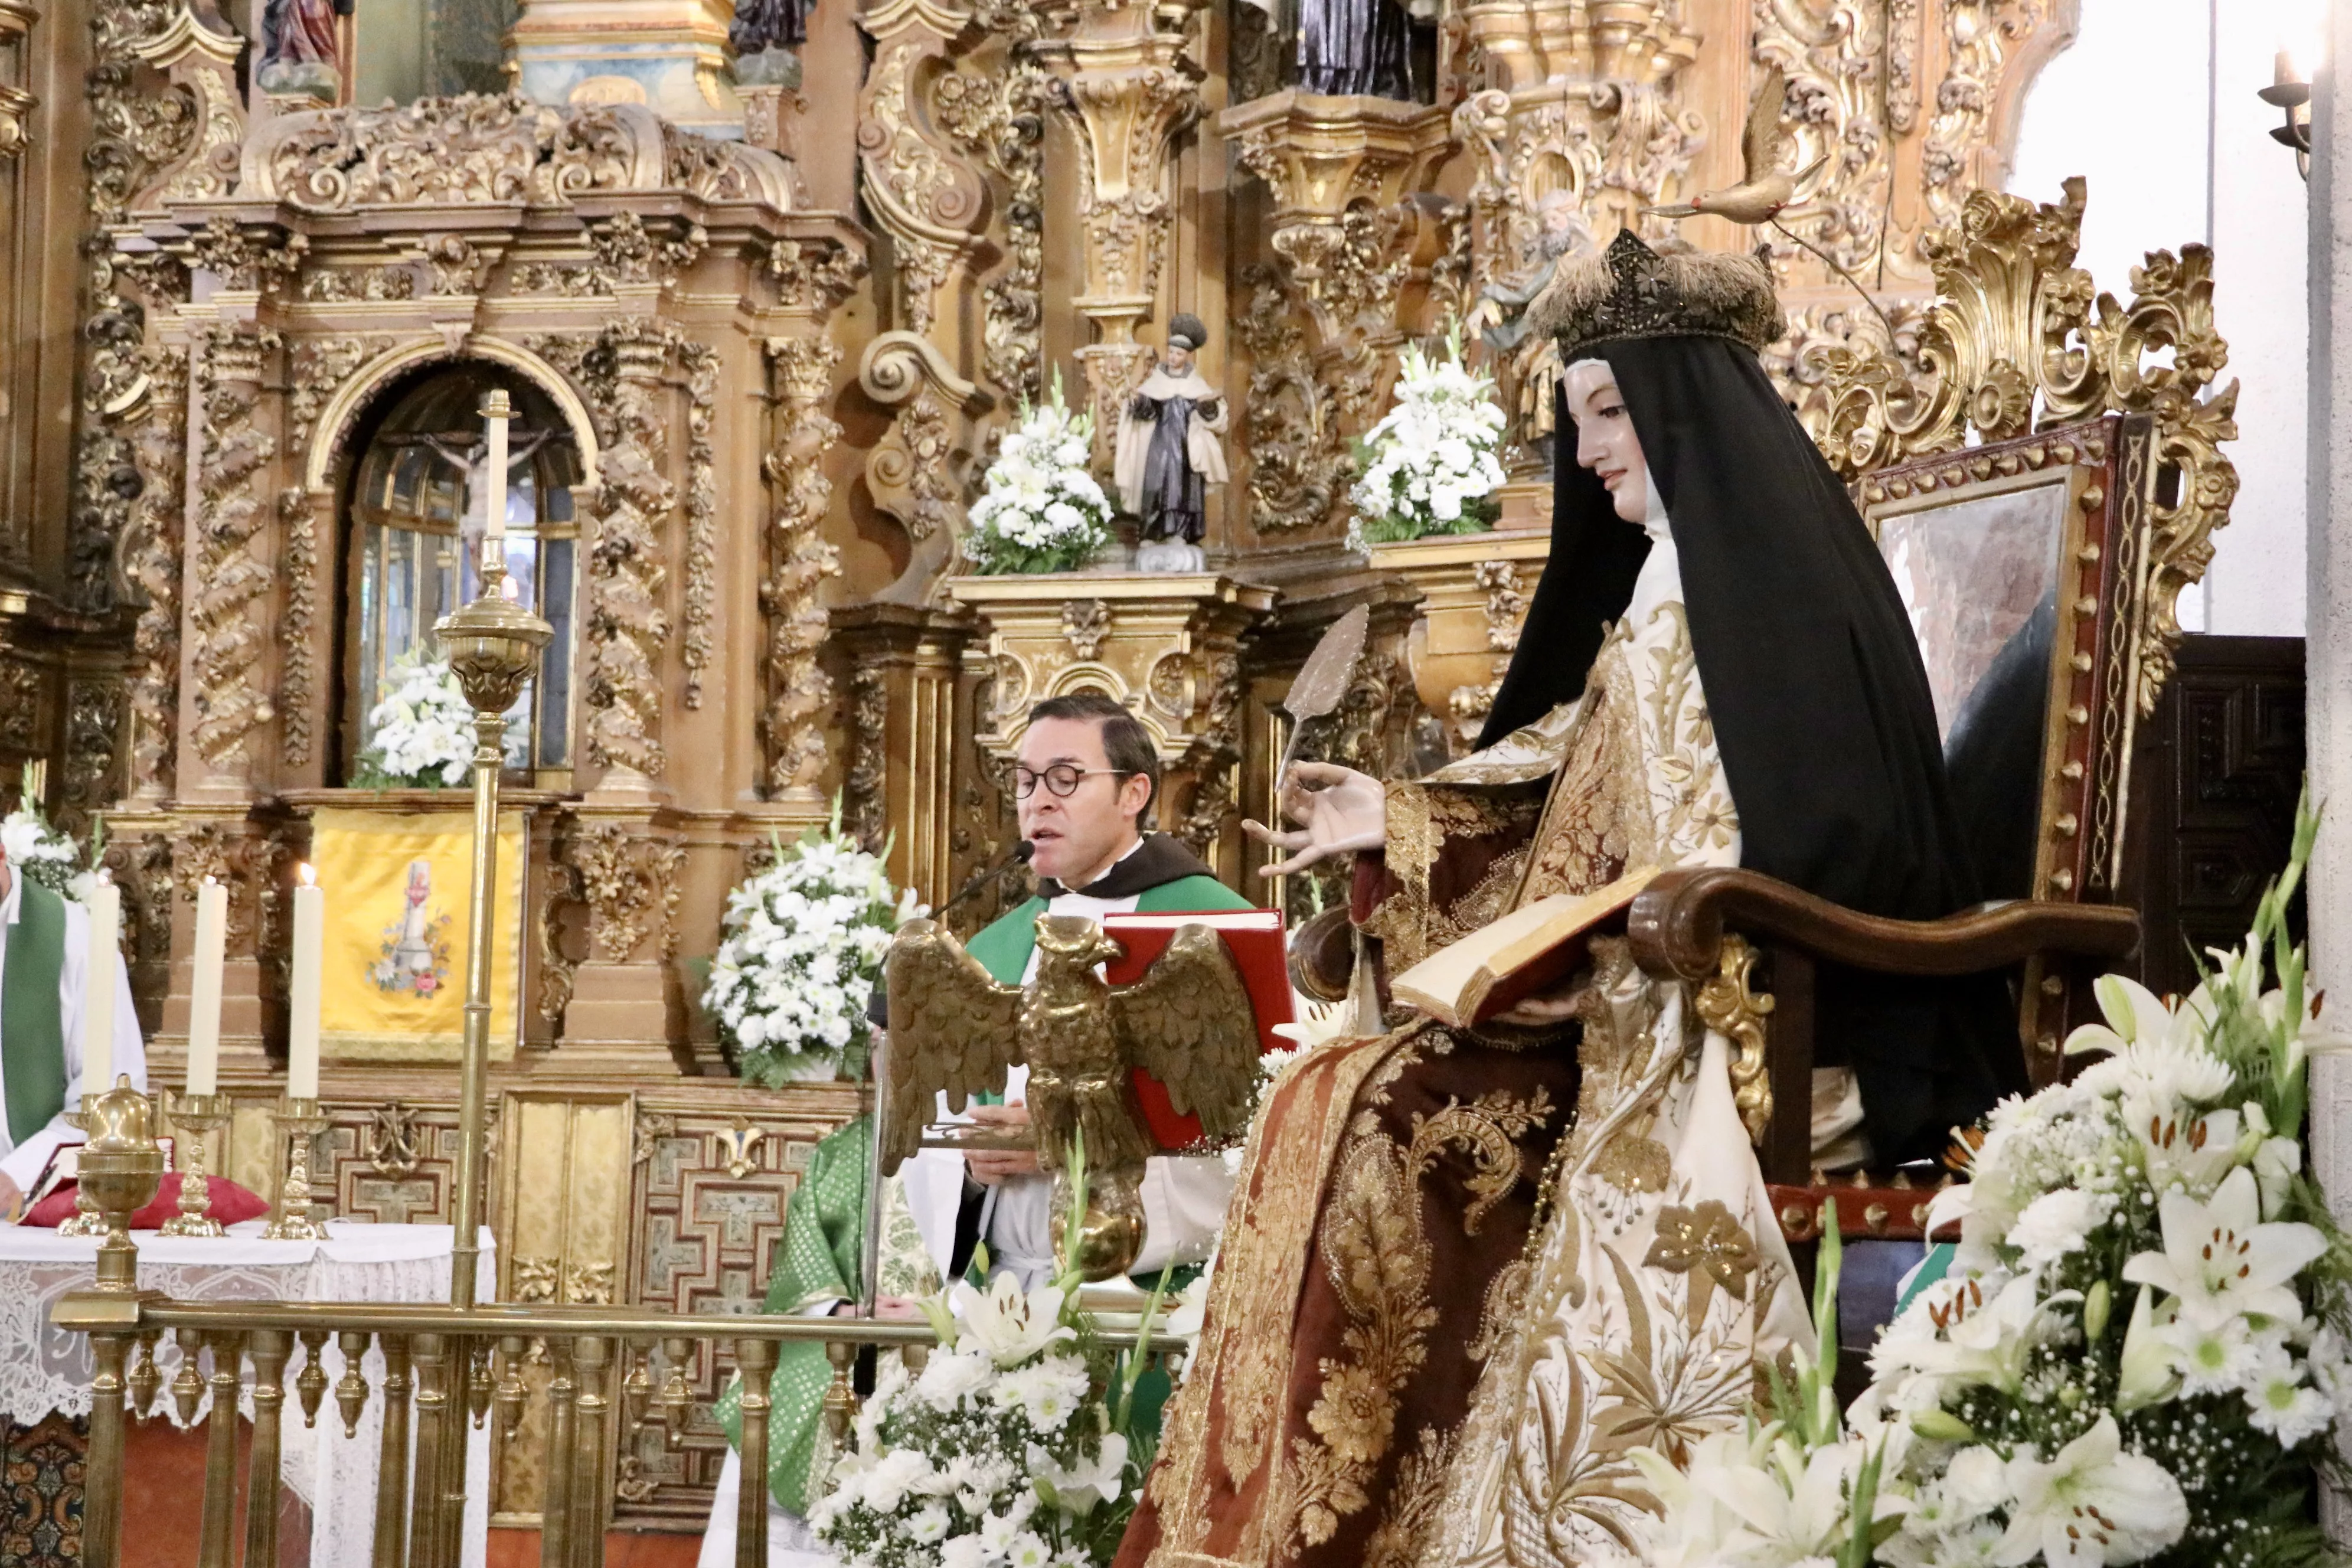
[1532,949]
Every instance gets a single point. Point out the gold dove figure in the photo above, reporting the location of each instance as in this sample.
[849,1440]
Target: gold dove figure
[1763,189]
[955,1030]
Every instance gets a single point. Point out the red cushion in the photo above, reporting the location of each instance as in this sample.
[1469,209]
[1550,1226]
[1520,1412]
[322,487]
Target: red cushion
[225,1201]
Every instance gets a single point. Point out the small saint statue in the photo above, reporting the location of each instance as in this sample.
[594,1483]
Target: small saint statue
[1500,315]
[1361,49]
[301,47]
[765,35]
[1170,453]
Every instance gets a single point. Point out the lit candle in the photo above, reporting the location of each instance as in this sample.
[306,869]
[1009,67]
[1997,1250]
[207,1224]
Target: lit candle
[204,997]
[302,988]
[2283,68]
[497,410]
[98,999]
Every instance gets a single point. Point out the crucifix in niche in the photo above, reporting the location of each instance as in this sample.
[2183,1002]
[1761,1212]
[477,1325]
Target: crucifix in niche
[470,454]
[418,513]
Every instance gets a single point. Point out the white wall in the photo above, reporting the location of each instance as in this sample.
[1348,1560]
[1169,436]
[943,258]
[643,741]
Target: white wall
[2154,105]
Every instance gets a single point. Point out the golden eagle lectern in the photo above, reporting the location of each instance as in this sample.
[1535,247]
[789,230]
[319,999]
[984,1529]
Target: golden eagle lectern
[954,1030]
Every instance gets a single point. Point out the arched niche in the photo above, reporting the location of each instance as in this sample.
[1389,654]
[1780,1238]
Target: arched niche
[410,483]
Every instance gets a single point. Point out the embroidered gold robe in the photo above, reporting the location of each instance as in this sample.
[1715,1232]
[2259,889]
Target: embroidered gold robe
[1443,1310]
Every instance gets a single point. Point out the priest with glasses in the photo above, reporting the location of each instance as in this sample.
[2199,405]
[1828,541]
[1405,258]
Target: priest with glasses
[1084,779]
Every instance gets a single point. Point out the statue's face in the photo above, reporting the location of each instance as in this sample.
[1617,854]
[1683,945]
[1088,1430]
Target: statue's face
[1176,359]
[1079,834]
[1605,440]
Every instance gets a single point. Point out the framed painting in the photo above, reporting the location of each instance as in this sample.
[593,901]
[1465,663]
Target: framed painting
[2023,566]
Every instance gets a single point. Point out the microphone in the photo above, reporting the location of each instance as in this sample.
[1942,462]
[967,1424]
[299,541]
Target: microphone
[1020,857]
[877,1005]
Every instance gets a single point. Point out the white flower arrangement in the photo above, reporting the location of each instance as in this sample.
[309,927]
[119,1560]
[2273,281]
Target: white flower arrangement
[1433,464]
[1008,1449]
[421,734]
[47,857]
[2139,1347]
[799,948]
[1042,510]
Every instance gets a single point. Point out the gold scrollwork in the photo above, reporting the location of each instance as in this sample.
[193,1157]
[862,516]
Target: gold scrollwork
[1731,1006]
[2017,340]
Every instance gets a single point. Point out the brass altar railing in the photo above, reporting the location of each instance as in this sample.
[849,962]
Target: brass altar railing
[447,1370]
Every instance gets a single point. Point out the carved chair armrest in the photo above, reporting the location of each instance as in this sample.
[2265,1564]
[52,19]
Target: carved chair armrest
[1677,923]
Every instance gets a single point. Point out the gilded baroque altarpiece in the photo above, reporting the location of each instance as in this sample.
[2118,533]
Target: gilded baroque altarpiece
[767,374]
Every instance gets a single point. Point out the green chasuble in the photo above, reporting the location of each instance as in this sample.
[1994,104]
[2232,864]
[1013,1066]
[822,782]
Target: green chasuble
[819,1258]
[32,1014]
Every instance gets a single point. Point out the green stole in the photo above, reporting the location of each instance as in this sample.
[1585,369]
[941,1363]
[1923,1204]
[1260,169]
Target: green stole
[32,1014]
[819,1254]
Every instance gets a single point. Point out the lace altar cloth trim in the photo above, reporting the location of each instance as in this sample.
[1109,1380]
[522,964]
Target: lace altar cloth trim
[44,1368]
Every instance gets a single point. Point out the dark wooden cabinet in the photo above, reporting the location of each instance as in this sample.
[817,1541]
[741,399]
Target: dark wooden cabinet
[2215,773]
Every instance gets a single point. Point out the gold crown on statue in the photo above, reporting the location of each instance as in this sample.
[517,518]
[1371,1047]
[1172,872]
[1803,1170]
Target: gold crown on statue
[1634,291]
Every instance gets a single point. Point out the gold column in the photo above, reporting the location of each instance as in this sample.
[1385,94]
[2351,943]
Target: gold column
[1130,91]
[1322,156]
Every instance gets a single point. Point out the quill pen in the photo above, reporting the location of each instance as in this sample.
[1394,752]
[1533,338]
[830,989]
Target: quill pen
[1323,679]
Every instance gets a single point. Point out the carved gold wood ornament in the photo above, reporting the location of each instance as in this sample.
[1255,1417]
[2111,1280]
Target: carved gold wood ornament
[1729,1004]
[2016,342]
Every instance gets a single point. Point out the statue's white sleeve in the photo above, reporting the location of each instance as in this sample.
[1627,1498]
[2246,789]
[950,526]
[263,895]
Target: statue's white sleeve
[1184,1198]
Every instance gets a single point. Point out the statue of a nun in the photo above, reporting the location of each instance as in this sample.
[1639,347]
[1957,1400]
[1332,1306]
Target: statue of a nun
[1466,1269]
[1170,453]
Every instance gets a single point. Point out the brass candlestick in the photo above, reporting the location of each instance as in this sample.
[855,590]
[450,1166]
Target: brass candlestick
[87,1219]
[119,1167]
[191,1117]
[301,1121]
[493,647]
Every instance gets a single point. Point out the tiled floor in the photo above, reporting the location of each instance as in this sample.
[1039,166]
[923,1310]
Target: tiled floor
[163,1507]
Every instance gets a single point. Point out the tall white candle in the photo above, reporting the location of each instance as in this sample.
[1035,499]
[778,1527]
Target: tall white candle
[496,410]
[204,995]
[302,988]
[98,997]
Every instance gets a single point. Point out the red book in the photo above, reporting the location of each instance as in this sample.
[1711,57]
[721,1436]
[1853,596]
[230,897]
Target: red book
[1255,939]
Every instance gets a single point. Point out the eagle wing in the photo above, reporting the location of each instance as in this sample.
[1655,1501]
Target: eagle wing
[1760,143]
[1188,1024]
[953,1029]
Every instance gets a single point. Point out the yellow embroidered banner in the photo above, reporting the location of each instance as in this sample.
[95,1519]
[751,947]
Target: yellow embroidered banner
[399,887]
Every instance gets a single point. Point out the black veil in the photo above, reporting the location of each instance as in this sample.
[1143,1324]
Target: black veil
[1820,702]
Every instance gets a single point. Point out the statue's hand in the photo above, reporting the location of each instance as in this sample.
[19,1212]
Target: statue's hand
[1339,810]
[1487,312]
[1544,1008]
[1141,407]
[1209,408]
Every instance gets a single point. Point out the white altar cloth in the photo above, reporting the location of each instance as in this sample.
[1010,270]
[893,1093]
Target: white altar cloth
[44,1368]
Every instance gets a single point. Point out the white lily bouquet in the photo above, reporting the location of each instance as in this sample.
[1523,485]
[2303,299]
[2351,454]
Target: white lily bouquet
[1042,510]
[2139,1349]
[47,856]
[1008,1449]
[421,732]
[799,948]
[1433,464]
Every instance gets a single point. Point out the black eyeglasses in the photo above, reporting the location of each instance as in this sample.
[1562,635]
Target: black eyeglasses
[1062,778]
